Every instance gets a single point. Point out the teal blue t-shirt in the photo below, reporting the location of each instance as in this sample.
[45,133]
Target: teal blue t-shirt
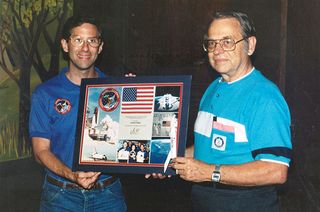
[243,121]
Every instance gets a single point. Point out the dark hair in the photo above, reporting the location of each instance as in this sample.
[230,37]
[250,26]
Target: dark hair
[246,24]
[75,21]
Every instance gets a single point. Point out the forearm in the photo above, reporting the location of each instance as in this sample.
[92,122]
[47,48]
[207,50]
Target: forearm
[50,161]
[254,174]
[250,174]
[43,154]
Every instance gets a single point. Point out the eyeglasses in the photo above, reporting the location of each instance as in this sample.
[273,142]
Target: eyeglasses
[78,41]
[227,44]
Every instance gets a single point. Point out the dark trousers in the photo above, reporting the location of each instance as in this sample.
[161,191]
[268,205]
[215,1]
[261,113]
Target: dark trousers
[209,198]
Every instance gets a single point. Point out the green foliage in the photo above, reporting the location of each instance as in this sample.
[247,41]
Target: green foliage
[28,10]
[9,99]
[9,142]
[5,25]
[28,32]
[22,20]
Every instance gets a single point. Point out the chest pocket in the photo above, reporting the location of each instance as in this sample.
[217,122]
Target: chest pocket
[228,126]
[206,122]
[228,135]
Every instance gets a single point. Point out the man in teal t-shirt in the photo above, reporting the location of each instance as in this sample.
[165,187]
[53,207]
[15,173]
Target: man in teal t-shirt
[242,144]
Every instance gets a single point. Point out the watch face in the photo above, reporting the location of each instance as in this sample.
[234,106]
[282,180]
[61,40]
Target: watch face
[215,176]
[216,173]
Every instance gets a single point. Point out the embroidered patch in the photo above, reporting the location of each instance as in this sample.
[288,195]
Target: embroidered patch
[219,142]
[109,99]
[62,106]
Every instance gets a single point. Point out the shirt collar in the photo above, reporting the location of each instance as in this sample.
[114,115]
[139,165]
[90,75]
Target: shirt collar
[244,76]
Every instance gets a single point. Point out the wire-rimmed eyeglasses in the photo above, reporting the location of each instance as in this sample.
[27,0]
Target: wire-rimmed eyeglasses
[78,41]
[227,44]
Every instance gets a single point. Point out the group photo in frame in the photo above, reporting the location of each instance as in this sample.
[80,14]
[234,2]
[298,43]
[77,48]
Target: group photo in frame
[132,124]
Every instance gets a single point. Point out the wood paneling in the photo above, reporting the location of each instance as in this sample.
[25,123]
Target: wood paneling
[164,37]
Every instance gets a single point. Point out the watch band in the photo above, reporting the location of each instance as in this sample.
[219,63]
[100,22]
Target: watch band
[215,177]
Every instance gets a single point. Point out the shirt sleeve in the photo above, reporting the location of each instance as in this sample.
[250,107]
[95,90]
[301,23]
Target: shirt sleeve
[269,131]
[39,120]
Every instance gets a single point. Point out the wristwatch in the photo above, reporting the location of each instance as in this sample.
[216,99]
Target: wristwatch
[215,177]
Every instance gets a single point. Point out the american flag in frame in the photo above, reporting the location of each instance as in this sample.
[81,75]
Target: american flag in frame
[138,99]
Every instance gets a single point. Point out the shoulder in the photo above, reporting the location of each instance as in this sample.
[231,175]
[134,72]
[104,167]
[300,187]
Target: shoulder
[46,86]
[263,93]
[54,82]
[100,73]
[211,87]
[214,83]
[263,87]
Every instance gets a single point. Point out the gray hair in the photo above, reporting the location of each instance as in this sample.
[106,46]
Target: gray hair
[246,24]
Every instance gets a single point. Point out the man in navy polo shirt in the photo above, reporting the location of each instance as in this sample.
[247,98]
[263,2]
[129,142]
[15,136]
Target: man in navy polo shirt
[53,121]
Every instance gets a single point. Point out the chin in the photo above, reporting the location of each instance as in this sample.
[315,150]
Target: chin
[85,67]
[220,70]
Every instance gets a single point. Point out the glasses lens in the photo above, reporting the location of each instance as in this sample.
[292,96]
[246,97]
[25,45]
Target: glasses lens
[209,45]
[76,41]
[93,42]
[227,44]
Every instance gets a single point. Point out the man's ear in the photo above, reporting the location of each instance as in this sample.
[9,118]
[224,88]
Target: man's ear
[64,45]
[100,47]
[252,41]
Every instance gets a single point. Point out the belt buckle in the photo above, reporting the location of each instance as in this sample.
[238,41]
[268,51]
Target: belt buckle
[97,185]
[104,183]
[73,186]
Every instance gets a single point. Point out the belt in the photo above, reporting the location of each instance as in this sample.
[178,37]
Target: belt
[229,187]
[97,185]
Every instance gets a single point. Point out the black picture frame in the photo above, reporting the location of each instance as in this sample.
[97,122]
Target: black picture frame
[147,113]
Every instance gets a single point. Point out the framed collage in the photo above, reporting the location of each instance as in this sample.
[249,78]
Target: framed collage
[132,124]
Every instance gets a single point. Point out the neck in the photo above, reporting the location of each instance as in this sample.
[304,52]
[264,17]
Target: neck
[235,75]
[75,76]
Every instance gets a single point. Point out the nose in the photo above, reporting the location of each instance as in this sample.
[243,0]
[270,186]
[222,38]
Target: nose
[85,45]
[218,48]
